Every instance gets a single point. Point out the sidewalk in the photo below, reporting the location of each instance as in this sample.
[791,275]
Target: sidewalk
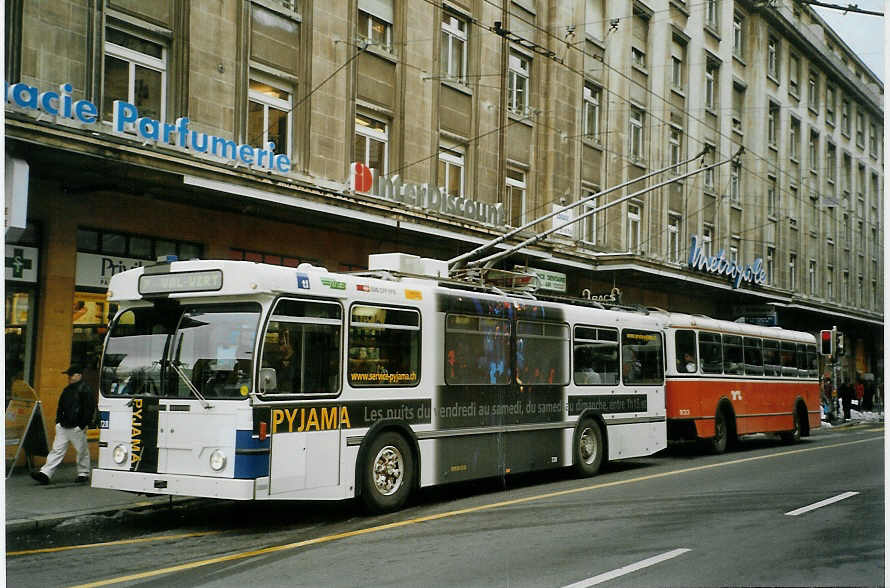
[32,506]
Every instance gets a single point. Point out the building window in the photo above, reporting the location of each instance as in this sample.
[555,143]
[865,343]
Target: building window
[845,285]
[676,73]
[675,146]
[592,100]
[454,47]
[711,71]
[772,57]
[674,222]
[636,133]
[794,139]
[860,129]
[709,174]
[860,292]
[813,92]
[734,184]
[873,140]
[772,123]
[707,237]
[269,115]
[792,271]
[738,107]
[451,169]
[829,105]
[517,83]
[770,265]
[845,117]
[135,71]
[794,75]
[829,282]
[845,231]
[711,16]
[738,35]
[634,215]
[831,162]
[848,173]
[372,143]
[638,57]
[874,294]
[375,18]
[678,64]
[771,197]
[814,150]
[516,189]
[589,233]
[812,276]
[734,246]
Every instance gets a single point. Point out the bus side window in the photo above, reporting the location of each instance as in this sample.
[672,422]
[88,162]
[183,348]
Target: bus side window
[753,356]
[302,345]
[733,358]
[542,353]
[477,350]
[596,356]
[384,346]
[710,349]
[772,365]
[801,360]
[642,357]
[684,347]
[788,354]
[813,361]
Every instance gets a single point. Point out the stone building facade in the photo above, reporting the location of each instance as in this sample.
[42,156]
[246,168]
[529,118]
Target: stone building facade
[475,116]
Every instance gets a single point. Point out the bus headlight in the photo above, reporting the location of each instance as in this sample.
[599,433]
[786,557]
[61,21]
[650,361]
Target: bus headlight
[119,454]
[217,460]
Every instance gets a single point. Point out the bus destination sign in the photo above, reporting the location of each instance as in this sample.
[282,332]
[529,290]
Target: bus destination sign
[200,281]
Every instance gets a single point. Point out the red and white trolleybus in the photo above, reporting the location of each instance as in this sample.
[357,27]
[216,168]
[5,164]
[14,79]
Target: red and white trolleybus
[725,379]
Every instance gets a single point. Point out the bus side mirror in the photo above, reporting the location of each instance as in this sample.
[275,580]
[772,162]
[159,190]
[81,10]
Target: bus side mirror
[268,380]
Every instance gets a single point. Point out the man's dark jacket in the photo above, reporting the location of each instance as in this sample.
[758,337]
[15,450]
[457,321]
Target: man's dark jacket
[75,406]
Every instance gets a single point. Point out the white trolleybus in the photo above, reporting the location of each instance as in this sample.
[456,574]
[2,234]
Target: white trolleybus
[247,381]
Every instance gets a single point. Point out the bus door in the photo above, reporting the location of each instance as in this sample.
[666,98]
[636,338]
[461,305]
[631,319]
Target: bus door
[300,373]
[642,399]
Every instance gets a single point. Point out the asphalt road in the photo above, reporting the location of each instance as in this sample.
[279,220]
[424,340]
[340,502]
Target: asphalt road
[677,519]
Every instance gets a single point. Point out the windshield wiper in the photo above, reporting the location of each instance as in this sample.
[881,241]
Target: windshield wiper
[175,365]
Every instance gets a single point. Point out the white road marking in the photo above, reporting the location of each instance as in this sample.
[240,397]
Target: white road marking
[628,569]
[821,503]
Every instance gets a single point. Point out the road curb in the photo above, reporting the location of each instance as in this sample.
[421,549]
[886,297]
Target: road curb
[38,522]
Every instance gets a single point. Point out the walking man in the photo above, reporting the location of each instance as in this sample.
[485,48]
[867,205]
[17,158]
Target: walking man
[74,414]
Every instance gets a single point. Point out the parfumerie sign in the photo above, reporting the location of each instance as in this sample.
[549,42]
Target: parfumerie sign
[719,265]
[432,199]
[126,121]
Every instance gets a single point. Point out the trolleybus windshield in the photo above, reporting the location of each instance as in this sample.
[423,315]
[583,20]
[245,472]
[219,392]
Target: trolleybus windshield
[174,351]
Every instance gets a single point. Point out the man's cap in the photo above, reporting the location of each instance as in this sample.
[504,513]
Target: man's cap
[73,369]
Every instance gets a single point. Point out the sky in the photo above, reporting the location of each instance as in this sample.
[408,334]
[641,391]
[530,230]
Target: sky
[863,33]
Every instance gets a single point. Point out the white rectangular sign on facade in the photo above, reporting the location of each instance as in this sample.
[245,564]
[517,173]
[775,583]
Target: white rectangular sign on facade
[95,271]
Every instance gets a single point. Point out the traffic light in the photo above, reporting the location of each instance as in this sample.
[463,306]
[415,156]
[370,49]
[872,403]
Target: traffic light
[839,344]
[827,341]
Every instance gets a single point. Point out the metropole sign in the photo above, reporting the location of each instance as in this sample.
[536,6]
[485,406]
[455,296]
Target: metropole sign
[753,273]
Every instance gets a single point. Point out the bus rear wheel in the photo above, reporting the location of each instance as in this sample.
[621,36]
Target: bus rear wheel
[589,448]
[387,473]
[721,433]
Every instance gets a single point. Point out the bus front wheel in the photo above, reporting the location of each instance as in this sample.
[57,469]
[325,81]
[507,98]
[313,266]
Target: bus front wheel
[793,436]
[589,448]
[387,473]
